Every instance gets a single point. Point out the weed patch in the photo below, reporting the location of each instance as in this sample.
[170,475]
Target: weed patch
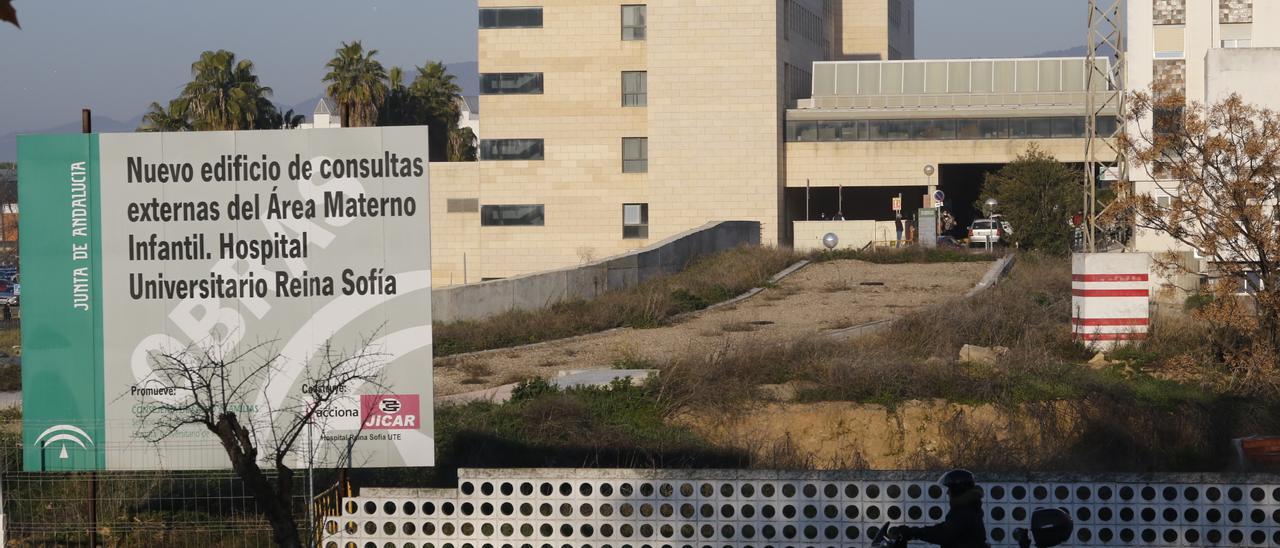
[712,279]
[905,255]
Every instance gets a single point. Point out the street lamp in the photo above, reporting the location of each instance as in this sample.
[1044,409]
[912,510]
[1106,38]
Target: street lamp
[991,204]
[830,241]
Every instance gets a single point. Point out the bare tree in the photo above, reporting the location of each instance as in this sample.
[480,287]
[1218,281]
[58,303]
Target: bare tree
[216,389]
[1218,168]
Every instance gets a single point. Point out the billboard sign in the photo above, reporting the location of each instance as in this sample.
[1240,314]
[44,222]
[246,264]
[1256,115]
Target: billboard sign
[294,242]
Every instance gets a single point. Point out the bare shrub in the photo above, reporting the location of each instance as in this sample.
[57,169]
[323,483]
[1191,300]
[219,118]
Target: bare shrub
[476,371]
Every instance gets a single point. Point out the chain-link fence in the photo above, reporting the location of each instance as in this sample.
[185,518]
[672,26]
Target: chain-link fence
[138,508]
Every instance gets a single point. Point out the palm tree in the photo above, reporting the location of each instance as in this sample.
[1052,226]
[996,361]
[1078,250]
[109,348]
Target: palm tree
[224,94]
[291,120]
[437,93]
[159,118]
[462,145]
[355,81]
[438,90]
[400,107]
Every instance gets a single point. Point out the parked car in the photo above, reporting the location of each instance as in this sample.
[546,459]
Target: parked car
[984,231]
[1008,229]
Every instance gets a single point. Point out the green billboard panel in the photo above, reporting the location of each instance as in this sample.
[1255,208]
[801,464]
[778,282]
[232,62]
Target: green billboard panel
[294,244]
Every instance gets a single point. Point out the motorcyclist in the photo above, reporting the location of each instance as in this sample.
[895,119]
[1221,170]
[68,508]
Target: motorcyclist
[963,526]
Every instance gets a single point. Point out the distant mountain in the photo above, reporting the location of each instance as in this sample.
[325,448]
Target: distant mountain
[9,142]
[1077,51]
[468,74]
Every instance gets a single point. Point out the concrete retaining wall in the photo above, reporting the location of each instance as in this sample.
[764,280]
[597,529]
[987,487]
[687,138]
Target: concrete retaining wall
[534,291]
[853,234]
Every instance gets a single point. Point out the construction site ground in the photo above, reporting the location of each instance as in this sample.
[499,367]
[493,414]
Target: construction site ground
[820,298]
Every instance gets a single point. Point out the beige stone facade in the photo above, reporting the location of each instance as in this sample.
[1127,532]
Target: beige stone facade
[875,30]
[720,76]
[901,163]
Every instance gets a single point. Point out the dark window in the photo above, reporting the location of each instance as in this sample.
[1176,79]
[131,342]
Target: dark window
[511,149]
[510,82]
[635,221]
[994,128]
[511,215]
[829,131]
[1106,126]
[635,154]
[633,22]
[510,18]
[1066,127]
[940,129]
[1018,128]
[802,131]
[635,89]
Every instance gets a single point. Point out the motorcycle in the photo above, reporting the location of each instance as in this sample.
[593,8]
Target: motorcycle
[1049,527]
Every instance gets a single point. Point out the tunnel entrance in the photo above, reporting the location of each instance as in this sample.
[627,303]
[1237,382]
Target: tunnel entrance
[963,183]
[863,203]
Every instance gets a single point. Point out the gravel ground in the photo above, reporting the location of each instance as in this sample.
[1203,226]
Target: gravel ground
[820,297]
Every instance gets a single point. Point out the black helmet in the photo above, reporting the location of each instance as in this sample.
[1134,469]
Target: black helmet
[957,481]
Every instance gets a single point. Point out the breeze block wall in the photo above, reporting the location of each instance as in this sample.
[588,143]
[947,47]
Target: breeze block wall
[605,508]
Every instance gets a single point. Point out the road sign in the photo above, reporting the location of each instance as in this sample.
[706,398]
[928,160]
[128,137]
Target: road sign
[939,197]
[897,203]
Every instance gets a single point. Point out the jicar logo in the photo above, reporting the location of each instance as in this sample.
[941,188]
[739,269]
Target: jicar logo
[390,411]
[66,434]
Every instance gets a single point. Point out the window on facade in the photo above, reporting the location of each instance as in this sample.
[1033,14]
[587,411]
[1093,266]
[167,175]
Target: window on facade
[1169,41]
[511,83]
[1239,43]
[635,221]
[635,154]
[510,18]
[797,83]
[511,149]
[799,21]
[635,89]
[511,215]
[1066,127]
[633,22]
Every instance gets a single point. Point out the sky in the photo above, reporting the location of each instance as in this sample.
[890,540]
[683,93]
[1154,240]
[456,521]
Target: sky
[117,56]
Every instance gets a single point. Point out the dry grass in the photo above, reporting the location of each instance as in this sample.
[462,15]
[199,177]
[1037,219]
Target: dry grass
[836,286]
[477,371]
[1056,412]
[710,280]
[737,327]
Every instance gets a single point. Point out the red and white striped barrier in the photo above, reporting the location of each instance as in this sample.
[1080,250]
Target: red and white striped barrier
[1110,298]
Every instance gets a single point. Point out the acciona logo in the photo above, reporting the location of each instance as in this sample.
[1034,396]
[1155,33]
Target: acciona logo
[390,411]
[66,434]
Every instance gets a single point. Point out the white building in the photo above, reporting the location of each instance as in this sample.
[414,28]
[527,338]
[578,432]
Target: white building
[325,115]
[469,115]
[1206,49]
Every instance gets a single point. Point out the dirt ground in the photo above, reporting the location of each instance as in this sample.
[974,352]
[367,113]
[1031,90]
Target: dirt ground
[820,297]
[838,435]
